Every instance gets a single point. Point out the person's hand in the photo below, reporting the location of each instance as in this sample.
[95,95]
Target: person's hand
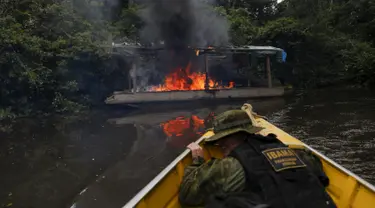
[196,150]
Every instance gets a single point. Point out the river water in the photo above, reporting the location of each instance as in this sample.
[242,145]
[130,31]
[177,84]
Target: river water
[102,160]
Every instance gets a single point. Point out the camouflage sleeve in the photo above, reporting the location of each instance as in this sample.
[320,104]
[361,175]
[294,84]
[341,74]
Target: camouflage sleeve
[196,163]
[215,176]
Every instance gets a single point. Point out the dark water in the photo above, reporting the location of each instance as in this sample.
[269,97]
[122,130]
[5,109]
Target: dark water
[104,159]
[339,123]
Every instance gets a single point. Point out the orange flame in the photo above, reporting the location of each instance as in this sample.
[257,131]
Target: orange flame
[183,79]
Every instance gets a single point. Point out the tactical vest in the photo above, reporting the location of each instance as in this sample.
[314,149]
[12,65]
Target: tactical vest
[278,177]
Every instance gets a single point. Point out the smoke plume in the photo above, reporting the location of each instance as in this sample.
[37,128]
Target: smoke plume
[182,23]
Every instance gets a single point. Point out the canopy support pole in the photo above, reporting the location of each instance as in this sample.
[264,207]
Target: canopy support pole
[134,68]
[206,84]
[268,68]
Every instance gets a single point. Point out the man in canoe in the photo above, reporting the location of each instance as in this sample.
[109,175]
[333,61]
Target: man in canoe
[256,171]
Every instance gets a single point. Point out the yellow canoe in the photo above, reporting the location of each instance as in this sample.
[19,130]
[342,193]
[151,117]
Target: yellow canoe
[347,189]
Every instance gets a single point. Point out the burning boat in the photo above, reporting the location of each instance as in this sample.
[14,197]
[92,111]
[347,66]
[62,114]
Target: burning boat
[211,81]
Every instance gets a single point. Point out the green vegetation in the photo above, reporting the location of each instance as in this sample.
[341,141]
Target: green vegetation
[52,57]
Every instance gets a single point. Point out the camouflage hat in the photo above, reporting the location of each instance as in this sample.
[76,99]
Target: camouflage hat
[231,122]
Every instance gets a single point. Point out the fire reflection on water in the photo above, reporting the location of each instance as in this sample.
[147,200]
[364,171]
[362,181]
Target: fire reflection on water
[183,130]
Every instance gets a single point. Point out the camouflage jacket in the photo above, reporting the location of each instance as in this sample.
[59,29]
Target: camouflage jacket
[201,180]
[215,176]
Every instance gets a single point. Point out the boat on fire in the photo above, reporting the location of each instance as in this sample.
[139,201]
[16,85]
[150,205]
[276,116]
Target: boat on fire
[346,188]
[185,84]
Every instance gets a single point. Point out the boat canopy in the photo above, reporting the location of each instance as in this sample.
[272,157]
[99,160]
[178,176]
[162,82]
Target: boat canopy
[259,51]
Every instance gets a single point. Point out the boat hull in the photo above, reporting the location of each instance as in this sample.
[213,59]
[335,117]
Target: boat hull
[180,96]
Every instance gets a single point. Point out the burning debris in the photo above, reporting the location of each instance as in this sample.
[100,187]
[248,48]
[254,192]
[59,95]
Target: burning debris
[183,79]
[155,76]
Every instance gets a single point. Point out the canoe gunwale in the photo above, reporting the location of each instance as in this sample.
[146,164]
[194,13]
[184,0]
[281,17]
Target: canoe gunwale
[144,191]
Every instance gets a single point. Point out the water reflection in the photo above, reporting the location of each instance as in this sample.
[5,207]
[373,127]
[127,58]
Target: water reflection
[181,131]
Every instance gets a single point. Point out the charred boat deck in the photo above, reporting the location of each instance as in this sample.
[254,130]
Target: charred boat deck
[123,97]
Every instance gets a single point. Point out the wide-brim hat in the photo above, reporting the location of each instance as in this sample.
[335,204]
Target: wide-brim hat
[231,122]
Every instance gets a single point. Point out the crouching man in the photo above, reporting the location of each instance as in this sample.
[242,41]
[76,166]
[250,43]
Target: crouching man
[256,171]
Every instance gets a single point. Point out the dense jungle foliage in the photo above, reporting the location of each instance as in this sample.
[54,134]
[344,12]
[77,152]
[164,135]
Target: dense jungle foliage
[53,54]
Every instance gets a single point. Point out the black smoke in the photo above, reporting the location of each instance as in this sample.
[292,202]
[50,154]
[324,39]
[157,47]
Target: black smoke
[182,23]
